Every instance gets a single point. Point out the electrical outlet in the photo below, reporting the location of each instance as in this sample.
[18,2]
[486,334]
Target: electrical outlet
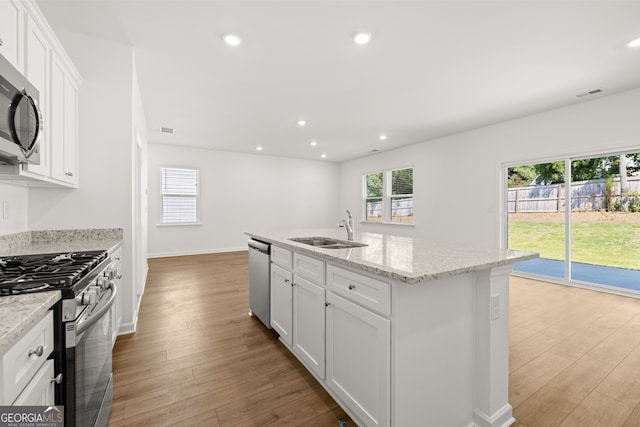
[495,307]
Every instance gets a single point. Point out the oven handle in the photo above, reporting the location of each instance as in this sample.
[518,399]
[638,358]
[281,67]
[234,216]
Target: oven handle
[98,314]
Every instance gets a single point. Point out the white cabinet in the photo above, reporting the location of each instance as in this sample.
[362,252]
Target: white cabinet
[63,126]
[309,324]
[298,311]
[282,257]
[32,45]
[114,273]
[11,32]
[282,303]
[41,389]
[37,71]
[359,360]
[26,373]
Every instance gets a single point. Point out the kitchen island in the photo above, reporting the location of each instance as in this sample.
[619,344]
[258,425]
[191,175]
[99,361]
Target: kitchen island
[400,331]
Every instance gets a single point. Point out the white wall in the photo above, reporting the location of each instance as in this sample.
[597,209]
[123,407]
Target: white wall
[104,196]
[238,193]
[457,184]
[139,223]
[15,218]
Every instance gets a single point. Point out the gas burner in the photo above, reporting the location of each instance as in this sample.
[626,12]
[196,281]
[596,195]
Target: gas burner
[34,273]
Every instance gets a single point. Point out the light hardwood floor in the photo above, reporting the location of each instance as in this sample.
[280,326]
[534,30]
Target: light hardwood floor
[197,359]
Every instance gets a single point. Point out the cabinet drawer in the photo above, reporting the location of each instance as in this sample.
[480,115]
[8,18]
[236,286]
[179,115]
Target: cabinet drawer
[41,390]
[21,361]
[308,267]
[281,257]
[364,290]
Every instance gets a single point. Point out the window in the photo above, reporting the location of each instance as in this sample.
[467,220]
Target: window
[179,196]
[388,196]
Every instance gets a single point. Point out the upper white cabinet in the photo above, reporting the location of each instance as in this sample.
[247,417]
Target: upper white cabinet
[34,48]
[11,32]
[37,71]
[64,123]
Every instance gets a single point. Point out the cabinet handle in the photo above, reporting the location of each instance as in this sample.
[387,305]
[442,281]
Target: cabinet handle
[1,42]
[57,379]
[292,284]
[68,173]
[286,280]
[38,351]
[351,287]
[327,304]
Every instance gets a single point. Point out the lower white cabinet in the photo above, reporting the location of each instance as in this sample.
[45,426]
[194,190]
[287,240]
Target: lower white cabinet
[26,373]
[41,389]
[359,359]
[282,303]
[297,315]
[309,324]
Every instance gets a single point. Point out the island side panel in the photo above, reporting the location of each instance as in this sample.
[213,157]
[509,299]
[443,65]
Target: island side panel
[491,382]
[433,352]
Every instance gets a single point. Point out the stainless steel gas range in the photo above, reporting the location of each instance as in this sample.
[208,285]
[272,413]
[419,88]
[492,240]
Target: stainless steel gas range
[82,352]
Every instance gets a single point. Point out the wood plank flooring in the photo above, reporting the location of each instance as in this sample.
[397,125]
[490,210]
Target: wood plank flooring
[574,356]
[197,359]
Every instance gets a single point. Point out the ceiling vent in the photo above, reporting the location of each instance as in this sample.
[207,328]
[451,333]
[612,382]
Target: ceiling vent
[167,130]
[591,92]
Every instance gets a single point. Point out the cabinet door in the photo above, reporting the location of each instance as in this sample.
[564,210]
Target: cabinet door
[359,359]
[282,303]
[70,132]
[56,122]
[11,32]
[63,126]
[41,389]
[37,71]
[309,323]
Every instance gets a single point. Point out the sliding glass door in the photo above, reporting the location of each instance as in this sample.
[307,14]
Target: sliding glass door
[536,218]
[582,215]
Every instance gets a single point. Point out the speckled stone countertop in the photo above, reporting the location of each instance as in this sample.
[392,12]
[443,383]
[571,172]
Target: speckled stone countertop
[19,313]
[404,259]
[53,241]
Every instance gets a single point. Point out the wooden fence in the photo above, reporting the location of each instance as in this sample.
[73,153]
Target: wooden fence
[585,195]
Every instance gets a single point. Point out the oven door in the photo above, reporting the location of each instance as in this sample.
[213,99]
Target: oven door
[92,353]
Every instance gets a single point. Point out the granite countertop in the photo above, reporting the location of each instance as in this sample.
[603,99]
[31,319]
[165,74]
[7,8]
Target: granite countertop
[405,259]
[54,241]
[18,313]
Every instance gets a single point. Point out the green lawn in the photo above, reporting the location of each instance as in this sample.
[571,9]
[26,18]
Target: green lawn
[610,244]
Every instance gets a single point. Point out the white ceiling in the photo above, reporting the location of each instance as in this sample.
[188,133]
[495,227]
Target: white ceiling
[432,68]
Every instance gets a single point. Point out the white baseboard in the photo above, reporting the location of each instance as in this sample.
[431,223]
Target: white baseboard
[202,252]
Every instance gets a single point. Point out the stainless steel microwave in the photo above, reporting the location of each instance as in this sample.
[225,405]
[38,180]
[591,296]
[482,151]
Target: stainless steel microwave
[20,118]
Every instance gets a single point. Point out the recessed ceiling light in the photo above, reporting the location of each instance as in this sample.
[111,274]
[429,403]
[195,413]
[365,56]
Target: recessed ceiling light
[324,156]
[382,137]
[634,43]
[313,143]
[232,39]
[259,148]
[302,122]
[362,38]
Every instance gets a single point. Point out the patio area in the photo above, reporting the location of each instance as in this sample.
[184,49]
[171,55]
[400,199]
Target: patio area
[601,275]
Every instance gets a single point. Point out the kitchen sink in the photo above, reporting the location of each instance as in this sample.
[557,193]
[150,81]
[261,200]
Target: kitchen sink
[327,242]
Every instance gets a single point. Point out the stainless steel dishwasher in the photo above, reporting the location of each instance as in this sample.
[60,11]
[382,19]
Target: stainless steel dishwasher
[260,281]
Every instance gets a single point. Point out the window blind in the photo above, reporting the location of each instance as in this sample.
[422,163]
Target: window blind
[179,195]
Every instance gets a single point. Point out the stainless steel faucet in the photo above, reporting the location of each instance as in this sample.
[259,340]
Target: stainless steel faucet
[348,224]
